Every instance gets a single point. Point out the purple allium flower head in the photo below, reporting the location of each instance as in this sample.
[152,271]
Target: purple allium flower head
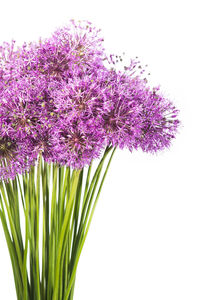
[15,157]
[64,98]
[159,122]
[78,143]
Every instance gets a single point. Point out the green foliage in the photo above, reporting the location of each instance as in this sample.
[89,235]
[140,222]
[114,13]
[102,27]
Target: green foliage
[64,201]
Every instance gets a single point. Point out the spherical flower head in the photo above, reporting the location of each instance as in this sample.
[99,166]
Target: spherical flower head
[45,143]
[121,113]
[136,116]
[80,97]
[84,42]
[15,157]
[159,122]
[25,108]
[78,143]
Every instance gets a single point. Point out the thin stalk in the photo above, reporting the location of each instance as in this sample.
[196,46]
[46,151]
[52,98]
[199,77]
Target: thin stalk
[32,230]
[87,182]
[26,210]
[64,229]
[91,186]
[37,228]
[52,236]
[14,259]
[45,241]
[13,230]
[12,252]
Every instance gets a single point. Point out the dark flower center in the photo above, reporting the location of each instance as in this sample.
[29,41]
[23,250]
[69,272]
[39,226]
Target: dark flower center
[7,148]
[74,141]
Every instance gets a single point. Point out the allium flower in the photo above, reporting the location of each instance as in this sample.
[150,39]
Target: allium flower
[79,98]
[59,98]
[15,157]
[79,143]
[84,44]
[121,114]
[159,122]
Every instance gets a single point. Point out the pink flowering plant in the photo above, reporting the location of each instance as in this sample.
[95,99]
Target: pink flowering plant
[64,104]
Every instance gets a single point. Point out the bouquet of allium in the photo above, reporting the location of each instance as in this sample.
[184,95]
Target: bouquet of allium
[63,104]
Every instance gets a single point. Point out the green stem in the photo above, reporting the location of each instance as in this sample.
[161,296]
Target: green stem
[64,231]
[68,202]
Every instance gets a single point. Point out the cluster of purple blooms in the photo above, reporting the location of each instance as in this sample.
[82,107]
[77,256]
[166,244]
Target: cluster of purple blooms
[58,99]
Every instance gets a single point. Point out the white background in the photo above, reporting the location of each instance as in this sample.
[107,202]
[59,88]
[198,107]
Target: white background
[144,242]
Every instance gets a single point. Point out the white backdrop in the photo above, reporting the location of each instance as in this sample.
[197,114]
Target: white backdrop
[144,242]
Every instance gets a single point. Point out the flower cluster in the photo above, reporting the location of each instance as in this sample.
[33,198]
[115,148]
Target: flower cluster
[59,99]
